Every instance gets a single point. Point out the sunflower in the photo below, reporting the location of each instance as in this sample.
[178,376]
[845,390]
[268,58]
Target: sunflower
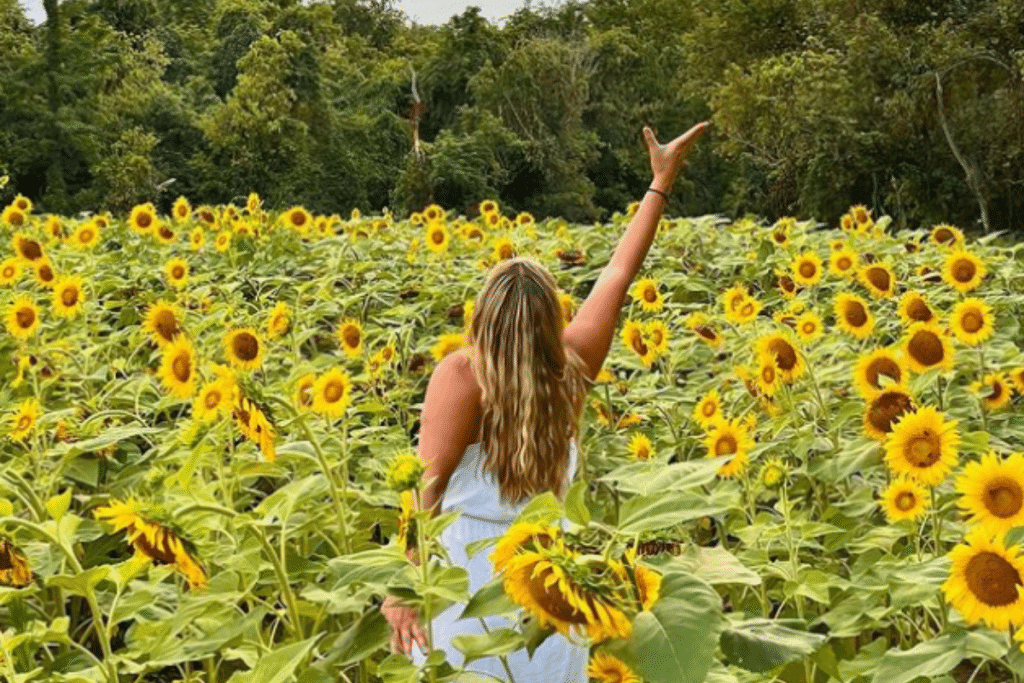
[298,219]
[164,234]
[182,210]
[732,299]
[543,583]
[927,346]
[992,493]
[214,400]
[768,378]
[45,275]
[16,571]
[433,213]
[972,321]
[809,326]
[963,271]
[708,410]
[946,235]
[488,206]
[332,393]
[784,283]
[197,239]
[872,367]
[86,235]
[729,437]
[503,249]
[646,292]
[878,279]
[787,357]
[608,668]
[861,216]
[913,308]
[22,317]
[405,472]
[176,271]
[350,334]
[143,218]
[162,323]
[640,447]
[746,311]
[178,368]
[473,231]
[24,419]
[698,322]
[448,343]
[807,269]
[923,445]
[278,321]
[884,409]
[995,389]
[843,263]
[853,316]
[780,236]
[773,473]
[54,227]
[984,581]
[522,537]
[1017,377]
[13,216]
[244,348]
[657,332]
[10,271]
[223,241]
[565,302]
[903,499]
[68,296]
[634,339]
[252,422]
[436,237]
[302,395]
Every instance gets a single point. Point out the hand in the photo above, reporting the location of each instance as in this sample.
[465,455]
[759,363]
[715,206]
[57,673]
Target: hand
[667,159]
[405,622]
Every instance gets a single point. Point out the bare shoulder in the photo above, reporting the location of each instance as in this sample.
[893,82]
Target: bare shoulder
[454,380]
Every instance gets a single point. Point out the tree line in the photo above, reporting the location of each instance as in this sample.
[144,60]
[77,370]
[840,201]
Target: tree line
[915,109]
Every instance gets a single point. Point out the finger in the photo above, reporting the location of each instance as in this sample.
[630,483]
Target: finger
[422,638]
[407,643]
[649,138]
[691,136]
[393,643]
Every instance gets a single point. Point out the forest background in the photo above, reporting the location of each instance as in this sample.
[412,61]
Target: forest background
[913,108]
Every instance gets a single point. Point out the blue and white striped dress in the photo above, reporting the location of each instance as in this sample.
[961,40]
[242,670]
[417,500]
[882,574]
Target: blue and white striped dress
[475,493]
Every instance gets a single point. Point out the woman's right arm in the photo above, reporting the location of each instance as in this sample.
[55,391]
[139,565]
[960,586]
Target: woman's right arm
[591,330]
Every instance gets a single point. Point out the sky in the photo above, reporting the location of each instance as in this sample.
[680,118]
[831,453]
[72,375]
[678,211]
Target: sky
[424,12]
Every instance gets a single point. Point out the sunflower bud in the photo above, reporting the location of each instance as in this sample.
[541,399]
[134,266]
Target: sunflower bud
[405,472]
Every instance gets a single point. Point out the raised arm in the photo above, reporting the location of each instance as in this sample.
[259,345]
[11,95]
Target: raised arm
[591,330]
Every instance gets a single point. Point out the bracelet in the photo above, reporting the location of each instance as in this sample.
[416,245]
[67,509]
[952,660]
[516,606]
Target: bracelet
[651,189]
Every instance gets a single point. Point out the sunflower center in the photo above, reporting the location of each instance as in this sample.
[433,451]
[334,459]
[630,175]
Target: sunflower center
[855,314]
[787,284]
[992,579]
[553,601]
[1003,497]
[45,273]
[69,297]
[972,321]
[656,337]
[708,409]
[31,250]
[780,236]
[926,348]
[181,367]
[144,220]
[166,325]
[24,422]
[879,277]
[810,327]
[17,218]
[298,219]
[924,449]
[726,445]
[166,232]
[506,251]
[844,263]
[207,217]
[883,366]
[943,235]
[212,399]
[768,374]
[86,235]
[706,332]
[9,271]
[306,394]
[639,345]
[245,346]
[650,295]
[905,501]
[178,272]
[351,336]
[747,310]
[997,391]
[785,354]
[887,408]
[964,270]
[643,453]
[807,269]
[333,392]
[437,237]
[25,317]
[918,310]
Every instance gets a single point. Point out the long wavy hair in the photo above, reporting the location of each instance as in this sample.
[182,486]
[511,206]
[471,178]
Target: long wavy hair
[530,382]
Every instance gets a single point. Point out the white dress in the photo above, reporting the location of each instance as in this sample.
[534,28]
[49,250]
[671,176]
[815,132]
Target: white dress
[475,493]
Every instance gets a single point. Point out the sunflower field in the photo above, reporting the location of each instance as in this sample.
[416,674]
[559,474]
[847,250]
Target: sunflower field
[802,460]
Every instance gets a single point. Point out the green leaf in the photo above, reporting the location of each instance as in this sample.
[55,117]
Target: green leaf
[650,513]
[647,478]
[499,642]
[760,645]
[489,601]
[58,505]
[716,565]
[930,658]
[543,509]
[575,506]
[82,583]
[675,642]
[368,634]
[279,666]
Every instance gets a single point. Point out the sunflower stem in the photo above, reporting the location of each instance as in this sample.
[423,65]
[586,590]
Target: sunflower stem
[424,557]
[502,658]
[330,477]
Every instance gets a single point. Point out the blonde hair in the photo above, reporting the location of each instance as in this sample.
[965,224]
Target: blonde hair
[530,382]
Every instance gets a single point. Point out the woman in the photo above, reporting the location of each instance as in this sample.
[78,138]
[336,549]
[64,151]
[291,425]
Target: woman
[500,418]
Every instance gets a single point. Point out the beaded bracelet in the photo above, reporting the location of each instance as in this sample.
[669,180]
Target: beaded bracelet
[651,189]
